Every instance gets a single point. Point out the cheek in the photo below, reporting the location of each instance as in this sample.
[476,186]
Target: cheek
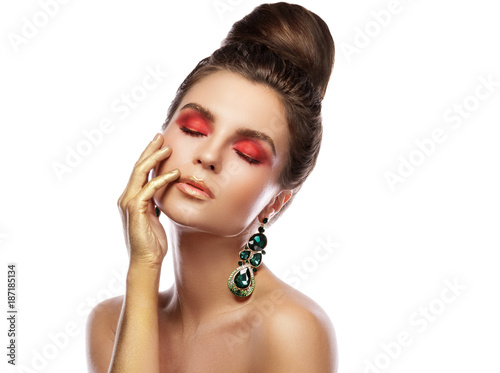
[246,195]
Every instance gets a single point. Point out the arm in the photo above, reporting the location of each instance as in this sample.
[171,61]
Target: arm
[137,343]
[135,347]
[135,318]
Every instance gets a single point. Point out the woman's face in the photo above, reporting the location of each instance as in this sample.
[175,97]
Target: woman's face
[232,134]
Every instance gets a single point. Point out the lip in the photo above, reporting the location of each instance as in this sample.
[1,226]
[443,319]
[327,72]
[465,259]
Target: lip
[194,187]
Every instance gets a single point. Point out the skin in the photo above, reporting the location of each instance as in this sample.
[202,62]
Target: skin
[197,324]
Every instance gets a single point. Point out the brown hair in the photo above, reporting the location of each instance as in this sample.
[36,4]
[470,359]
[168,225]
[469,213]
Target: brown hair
[289,49]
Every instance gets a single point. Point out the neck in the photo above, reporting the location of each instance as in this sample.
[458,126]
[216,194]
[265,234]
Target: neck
[202,265]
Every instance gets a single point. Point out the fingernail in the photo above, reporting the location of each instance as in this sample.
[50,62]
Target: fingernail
[156,137]
[164,148]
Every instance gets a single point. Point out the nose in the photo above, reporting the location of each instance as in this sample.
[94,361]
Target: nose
[208,155]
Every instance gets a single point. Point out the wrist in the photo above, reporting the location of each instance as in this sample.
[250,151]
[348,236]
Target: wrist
[143,273]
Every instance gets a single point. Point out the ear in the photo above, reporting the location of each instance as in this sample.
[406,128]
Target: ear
[276,204]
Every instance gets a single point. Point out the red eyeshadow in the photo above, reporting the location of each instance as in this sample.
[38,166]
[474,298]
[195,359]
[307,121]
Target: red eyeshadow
[194,121]
[252,149]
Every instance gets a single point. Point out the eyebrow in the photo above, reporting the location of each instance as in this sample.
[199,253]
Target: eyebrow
[246,132]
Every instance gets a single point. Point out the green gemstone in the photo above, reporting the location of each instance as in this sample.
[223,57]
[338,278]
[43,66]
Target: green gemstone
[244,254]
[257,242]
[240,263]
[255,269]
[265,220]
[256,259]
[237,291]
[261,229]
[243,278]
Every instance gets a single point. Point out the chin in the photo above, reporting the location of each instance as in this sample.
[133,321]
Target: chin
[184,211]
[211,216]
[208,220]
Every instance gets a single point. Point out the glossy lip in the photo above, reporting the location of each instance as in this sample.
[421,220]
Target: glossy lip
[195,187]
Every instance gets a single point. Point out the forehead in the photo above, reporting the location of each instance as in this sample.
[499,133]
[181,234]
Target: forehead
[237,102]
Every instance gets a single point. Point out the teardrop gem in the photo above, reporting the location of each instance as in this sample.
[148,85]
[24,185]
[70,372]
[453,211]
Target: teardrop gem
[244,254]
[256,259]
[241,282]
[242,278]
[257,242]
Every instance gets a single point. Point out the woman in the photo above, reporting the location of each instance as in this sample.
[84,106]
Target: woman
[240,138]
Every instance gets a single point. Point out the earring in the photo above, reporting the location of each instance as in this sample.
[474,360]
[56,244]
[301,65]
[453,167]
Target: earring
[242,282]
[158,212]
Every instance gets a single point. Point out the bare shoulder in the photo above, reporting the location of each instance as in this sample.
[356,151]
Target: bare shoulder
[108,312]
[299,335]
[100,333]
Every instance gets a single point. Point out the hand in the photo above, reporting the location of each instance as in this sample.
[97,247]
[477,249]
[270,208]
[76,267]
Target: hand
[145,236]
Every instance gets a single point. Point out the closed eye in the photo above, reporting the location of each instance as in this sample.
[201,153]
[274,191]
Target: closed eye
[247,157]
[191,132]
[194,133]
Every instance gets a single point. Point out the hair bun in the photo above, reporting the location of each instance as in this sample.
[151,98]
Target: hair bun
[293,32]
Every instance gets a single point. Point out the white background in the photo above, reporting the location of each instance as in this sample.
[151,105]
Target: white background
[395,250]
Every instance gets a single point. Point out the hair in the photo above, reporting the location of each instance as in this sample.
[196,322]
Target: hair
[289,49]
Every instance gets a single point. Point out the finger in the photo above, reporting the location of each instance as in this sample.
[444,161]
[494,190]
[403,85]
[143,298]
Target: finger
[133,187]
[152,146]
[149,190]
[140,173]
